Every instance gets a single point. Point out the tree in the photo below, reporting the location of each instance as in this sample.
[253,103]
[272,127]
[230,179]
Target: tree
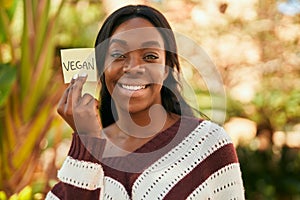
[28,89]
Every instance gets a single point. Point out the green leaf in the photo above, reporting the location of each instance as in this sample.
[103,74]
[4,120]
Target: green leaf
[7,78]
[2,27]
[7,10]
[3,195]
[26,193]
[11,6]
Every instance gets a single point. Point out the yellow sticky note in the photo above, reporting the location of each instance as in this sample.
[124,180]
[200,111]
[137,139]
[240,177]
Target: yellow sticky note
[92,88]
[77,61]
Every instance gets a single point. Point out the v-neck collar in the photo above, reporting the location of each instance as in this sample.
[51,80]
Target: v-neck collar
[138,160]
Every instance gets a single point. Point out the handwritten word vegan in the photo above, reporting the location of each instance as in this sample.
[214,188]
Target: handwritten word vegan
[75,65]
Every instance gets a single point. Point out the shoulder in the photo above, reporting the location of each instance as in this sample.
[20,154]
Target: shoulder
[210,136]
[210,128]
[203,126]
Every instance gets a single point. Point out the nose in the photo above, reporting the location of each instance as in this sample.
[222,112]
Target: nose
[133,65]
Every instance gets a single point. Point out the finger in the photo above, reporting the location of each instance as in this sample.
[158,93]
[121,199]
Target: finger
[75,76]
[95,104]
[86,99]
[68,106]
[77,88]
[67,97]
[63,99]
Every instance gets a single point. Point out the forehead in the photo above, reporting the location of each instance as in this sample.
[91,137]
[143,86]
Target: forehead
[137,31]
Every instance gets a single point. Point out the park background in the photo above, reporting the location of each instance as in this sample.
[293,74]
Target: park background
[255,45]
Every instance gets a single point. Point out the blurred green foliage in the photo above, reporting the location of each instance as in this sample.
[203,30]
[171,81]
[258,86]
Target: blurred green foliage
[28,88]
[270,174]
[7,78]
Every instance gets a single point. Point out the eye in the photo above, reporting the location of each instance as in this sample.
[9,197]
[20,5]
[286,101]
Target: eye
[117,55]
[150,57]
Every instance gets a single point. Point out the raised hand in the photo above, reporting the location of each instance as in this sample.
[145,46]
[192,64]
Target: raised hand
[80,112]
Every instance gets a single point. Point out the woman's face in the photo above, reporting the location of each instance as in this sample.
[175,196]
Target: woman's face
[135,66]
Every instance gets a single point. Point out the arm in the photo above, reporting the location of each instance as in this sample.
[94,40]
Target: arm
[81,175]
[225,181]
[220,168]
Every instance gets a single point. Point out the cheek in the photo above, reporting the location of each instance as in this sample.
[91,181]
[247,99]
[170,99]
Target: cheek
[110,67]
[112,72]
[158,75]
[109,79]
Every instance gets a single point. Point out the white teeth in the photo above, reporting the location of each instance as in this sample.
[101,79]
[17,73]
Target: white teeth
[133,87]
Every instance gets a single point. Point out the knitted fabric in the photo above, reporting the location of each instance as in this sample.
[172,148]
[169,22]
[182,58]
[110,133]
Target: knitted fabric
[189,160]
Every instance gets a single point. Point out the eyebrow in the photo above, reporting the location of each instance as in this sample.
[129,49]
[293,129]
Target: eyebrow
[122,42]
[150,44]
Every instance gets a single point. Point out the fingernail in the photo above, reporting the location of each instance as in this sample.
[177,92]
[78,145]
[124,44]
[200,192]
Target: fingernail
[83,74]
[75,76]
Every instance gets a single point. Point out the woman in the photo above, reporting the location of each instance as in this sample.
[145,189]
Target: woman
[146,142]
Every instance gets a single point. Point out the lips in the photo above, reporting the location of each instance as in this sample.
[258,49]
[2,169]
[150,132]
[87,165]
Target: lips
[133,87]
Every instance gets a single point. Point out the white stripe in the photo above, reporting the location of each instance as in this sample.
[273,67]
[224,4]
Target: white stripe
[82,174]
[230,184]
[158,179]
[51,196]
[226,183]
[114,190]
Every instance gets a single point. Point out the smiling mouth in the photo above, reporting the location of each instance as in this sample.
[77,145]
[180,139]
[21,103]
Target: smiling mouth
[133,87]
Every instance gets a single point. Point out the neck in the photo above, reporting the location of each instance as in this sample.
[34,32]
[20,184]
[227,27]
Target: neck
[143,124]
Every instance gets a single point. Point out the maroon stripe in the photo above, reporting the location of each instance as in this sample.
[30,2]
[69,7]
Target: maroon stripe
[217,160]
[66,191]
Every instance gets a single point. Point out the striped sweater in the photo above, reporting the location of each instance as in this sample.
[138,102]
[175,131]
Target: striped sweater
[189,160]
